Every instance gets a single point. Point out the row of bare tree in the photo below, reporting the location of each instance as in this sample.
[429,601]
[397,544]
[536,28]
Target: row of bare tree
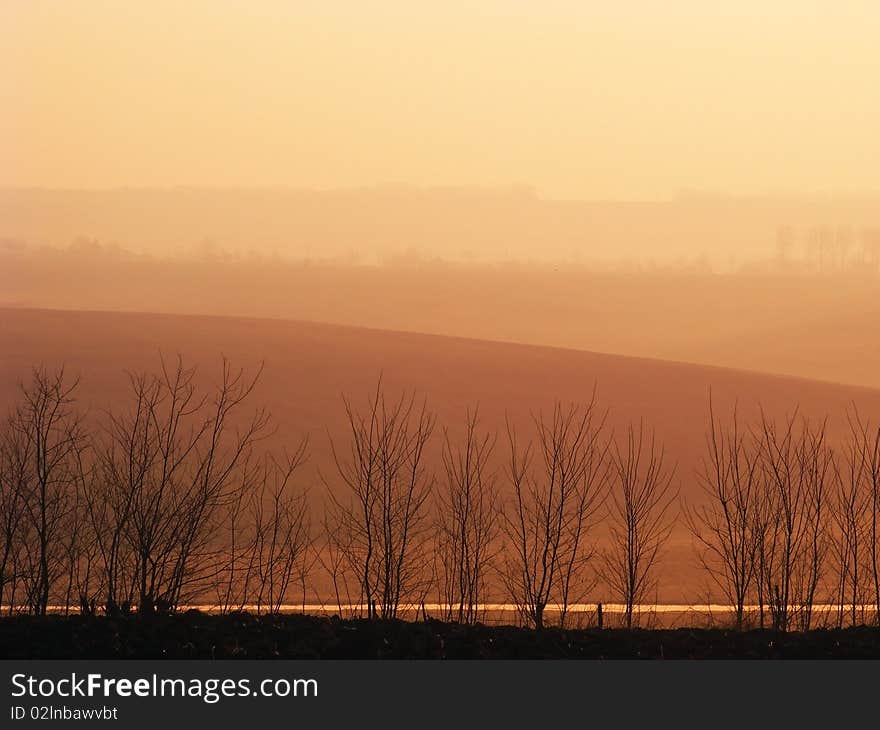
[136,512]
[398,535]
[170,499]
[788,518]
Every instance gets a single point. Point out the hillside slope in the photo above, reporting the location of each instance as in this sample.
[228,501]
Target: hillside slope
[309,366]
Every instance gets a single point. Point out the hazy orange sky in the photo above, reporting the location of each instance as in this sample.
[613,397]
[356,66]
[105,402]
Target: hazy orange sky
[630,99]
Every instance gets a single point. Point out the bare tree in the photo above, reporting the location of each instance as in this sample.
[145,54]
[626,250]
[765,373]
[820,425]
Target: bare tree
[467,525]
[50,437]
[268,536]
[84,579]
[333,557]
[863,461]
[170,467]
[797,469]
[237,573]
[848,535]
[871,442]
[282,532]
[767,530]
[640,520]
[817,461]
[380,525]
[15,463]
[553,510]
[726,527]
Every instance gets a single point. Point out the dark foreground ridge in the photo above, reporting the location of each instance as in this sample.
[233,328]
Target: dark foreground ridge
[196,635]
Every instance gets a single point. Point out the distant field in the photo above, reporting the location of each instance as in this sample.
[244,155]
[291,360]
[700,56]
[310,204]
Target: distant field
[816,326]
[309,366]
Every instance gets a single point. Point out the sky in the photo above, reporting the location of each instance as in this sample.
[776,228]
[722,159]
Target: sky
[636,99]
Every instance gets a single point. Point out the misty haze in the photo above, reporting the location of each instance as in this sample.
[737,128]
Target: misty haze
[558,317]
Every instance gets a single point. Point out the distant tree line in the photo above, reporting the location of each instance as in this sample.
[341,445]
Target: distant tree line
[171,499]
[828,248]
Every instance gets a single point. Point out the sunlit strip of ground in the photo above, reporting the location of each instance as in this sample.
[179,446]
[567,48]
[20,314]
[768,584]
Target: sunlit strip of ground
[498,610]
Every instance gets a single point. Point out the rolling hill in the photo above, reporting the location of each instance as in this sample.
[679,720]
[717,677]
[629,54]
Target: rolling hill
[309,366]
